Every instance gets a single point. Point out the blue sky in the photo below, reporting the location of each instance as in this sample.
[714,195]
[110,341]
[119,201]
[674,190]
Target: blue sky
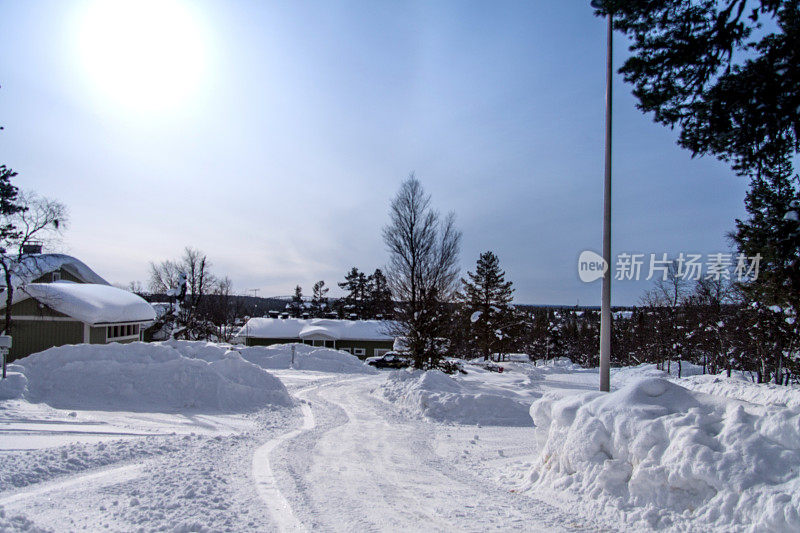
[273,135]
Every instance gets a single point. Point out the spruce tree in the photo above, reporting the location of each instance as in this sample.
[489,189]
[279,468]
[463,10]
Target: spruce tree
[379,297]
[319,300]
[486,297]
[772,231]
[297,305]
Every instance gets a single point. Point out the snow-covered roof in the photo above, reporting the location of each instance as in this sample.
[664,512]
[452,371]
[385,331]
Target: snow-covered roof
[34,266]
[317,328]
[89,302]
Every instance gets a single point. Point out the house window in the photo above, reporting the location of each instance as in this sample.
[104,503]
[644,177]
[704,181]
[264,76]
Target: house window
[329,344]
[348,350]
[123,331]
[56,276]
[381,351]
[359,351]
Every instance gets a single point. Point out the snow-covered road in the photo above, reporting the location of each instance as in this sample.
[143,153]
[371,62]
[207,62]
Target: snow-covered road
[363,467]
[344,460]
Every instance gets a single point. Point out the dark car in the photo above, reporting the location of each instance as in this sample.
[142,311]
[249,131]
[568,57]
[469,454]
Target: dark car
[389,360]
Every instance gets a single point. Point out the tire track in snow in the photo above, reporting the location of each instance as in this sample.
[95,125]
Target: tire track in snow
[266,483]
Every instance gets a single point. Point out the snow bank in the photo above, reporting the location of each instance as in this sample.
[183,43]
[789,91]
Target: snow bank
[307,357]
[739,387]
[14,385]
[276,357]
[146,377]
[207,351]
[436,395]
[665,455]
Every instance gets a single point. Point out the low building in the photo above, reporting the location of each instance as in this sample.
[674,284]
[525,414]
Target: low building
[363,338]
[58,300]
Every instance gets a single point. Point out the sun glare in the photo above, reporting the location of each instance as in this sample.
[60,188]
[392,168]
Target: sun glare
[145,54]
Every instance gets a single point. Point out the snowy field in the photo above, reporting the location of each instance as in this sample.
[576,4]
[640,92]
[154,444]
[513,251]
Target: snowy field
[191,436]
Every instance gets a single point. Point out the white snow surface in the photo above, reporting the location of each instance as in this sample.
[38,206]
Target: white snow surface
[672,458]
[307,357]
[386,451]
[435,395]
[91,303]
[316,328]
[145,377]
[739,387]
[278,356]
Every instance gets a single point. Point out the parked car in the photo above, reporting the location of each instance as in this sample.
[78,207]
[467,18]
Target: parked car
[389,360]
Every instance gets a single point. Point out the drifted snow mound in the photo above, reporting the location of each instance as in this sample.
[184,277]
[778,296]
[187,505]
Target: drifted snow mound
[665,455]
[147,377]
[306,357]
[738,387]
[436,395]
[13,386]
[207,351]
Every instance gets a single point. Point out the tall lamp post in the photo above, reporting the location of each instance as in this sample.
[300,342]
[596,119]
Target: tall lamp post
[605,309]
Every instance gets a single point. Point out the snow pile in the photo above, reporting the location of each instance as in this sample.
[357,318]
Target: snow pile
[436,395]
[739,387]
[18,523]
[207,351]
[146,377]
[306,357]
[562,364]
[14,385]
[664,455]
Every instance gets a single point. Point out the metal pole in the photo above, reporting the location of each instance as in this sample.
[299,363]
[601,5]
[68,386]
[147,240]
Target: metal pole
[605,310]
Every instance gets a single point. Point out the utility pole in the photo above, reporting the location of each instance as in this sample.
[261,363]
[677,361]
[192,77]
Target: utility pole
[605,309]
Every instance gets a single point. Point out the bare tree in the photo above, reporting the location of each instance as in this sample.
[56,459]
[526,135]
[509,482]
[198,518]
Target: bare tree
[40,219]
[666,303]
[163,276]
[199,282]
[423,269]
[222,309]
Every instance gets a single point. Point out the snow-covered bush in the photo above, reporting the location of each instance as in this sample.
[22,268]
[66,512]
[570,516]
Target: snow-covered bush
[146,377]
[661,452]
[436,395]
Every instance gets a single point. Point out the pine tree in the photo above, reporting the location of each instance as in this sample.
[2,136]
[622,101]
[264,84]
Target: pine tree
[379,297]
[319,299]
[487,298]
[356,284]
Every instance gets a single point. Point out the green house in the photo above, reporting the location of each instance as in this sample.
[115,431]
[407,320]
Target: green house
[58,300]
[362,338]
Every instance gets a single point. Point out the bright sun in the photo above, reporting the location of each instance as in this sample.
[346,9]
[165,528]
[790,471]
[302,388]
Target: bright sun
[146,54]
